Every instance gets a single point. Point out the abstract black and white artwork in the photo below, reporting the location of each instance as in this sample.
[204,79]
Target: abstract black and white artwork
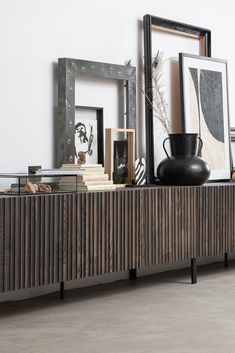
[88,138]
[205,109]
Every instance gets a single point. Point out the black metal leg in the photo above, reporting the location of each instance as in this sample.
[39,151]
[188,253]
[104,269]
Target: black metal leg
[193,270]
[61,290]
[226,259]
[132,274]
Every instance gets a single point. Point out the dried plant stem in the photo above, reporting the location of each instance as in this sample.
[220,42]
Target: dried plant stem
[156,97]
[159,105]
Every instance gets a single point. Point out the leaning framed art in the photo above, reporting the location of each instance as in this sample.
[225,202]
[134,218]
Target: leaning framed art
[205,109]
[89,134]
[169,37]
[70,70]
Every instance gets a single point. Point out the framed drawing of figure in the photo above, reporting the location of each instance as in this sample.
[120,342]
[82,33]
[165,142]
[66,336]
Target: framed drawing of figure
[89,134]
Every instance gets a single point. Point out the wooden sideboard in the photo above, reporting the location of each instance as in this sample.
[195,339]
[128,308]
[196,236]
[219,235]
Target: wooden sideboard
[46,239]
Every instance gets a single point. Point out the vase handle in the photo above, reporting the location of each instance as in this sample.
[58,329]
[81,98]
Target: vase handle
[167,138]
[200,145]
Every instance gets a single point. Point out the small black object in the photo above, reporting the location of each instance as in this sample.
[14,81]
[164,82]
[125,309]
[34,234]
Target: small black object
[132,273]
[193,270]
[226,259]
[184,167]
[61,290]
[32,169]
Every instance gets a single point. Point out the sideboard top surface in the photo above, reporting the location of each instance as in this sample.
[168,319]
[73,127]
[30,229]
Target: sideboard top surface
[132,189]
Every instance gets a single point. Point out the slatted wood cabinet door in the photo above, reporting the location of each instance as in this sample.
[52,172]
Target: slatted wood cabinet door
[169,225]
[216,219]
[108,231]
[37,236]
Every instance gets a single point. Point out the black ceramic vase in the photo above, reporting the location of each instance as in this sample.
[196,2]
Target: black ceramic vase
[184,167]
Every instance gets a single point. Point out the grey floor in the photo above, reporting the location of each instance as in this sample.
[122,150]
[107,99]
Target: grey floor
[161,313]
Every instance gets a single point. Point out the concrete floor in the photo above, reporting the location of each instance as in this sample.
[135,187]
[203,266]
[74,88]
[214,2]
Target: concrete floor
[161,313]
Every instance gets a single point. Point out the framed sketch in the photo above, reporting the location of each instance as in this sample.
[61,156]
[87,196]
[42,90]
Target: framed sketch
[205,109]
[120,155]
[69,70]
[169,38]
[89,134]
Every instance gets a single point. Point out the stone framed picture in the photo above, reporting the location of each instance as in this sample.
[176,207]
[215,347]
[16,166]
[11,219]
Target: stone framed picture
[70,70]
[205,109]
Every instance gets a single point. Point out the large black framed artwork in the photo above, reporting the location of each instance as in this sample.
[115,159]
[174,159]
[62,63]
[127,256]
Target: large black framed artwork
[156,25]
[205,109]
[68,71]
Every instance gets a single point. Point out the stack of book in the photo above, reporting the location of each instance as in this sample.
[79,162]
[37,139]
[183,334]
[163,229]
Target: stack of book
[88,177]
[232,130]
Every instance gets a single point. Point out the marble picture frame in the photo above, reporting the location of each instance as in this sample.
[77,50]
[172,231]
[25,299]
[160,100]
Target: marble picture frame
[205,109]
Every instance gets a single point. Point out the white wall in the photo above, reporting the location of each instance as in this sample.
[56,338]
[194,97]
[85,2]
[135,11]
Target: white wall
[34,34]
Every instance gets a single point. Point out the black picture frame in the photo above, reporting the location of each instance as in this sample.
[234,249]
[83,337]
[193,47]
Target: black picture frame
[149,21]
[207,78]
[100,130]
[68,71]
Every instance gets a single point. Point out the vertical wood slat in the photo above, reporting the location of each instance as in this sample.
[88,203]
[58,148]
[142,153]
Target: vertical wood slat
[17,240]
[231,235]
[34,217]
[60,239]
[56,253]
[107,233]
[22,237]
[7,244]
[69,220]
[12,245]
[42,241]
[26,260]
[79,237]
[95,230]
[115,232]
[75,268]
[111,231]
[52,245]
[2,205]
